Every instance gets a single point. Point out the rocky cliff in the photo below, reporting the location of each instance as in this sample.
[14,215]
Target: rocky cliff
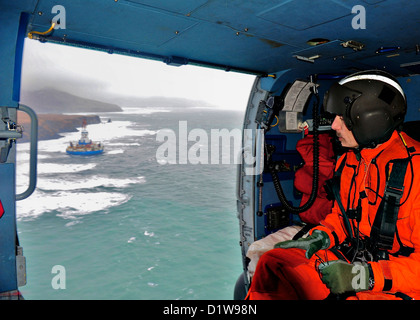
[50,125]
[50,100]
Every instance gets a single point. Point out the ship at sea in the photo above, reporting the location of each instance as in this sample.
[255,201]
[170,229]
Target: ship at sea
[85,146]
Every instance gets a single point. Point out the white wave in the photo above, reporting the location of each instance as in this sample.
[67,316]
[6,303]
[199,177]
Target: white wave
[66,196]
[51,168]
[149,110]
[23,156]
[117,151]
[72,223]
[68,184]
[44,168]
[119,144]
[103,132]
[69,205]
[149,234]
[22,175]
[118,129]
[87,183]
[113,130]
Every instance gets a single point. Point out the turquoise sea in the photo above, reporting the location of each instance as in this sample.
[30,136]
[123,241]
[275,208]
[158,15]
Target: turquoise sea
[124,226]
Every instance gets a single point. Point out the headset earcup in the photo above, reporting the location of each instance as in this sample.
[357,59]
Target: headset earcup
[372,125]
[347,116]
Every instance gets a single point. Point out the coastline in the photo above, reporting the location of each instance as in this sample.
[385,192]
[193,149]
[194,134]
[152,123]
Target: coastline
[51,125]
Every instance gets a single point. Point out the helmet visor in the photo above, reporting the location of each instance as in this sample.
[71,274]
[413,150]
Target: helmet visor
[338,97]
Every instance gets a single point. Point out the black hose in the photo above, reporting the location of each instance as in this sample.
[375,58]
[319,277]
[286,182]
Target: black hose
[315,179]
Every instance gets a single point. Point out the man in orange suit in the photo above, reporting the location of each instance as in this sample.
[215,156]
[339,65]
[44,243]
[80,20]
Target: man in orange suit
[368,247]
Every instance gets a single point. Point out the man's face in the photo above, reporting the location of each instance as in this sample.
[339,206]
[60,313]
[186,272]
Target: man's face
[345,136]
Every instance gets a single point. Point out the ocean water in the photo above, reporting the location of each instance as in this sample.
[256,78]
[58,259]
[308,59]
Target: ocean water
[122,225]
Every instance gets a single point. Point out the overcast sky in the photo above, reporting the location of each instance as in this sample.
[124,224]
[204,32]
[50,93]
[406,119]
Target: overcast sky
[94,74]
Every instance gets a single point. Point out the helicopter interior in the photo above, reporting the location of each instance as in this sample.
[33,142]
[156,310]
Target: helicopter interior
[295,49]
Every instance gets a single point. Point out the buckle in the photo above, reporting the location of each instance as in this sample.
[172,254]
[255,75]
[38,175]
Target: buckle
[354,214]
[395,192]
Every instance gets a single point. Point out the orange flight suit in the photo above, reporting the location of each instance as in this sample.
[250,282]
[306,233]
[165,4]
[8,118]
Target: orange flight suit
[287,274]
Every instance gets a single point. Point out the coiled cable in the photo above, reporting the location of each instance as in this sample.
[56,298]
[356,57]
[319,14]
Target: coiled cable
[315,179]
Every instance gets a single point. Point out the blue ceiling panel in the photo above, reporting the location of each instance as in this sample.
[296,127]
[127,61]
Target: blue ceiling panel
[258,36]
[182,7]
[242,17]
[304,14]
[114,23]
[227,48]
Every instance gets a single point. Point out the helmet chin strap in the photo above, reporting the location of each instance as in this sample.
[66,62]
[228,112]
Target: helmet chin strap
[357,153]
[359,149]
[370,145]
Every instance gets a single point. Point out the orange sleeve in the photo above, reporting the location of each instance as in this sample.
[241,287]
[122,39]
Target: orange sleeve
[404,271]
[332,224]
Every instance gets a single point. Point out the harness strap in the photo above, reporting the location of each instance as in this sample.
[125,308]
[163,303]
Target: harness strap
[404,250]
[384,226]
[303,231]
[333,188]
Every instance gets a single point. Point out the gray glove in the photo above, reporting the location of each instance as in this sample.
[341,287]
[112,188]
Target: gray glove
[317,241]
